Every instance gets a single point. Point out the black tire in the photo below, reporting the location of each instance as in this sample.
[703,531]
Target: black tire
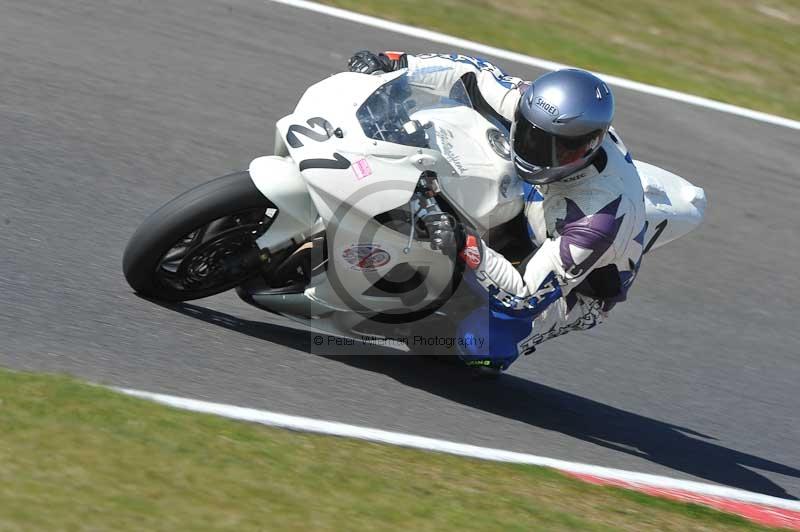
[198,207]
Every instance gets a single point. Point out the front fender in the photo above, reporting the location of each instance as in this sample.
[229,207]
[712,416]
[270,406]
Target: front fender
[279,180]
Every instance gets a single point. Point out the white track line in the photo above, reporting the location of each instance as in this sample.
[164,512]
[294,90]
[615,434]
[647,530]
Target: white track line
[458,43]
[430,444]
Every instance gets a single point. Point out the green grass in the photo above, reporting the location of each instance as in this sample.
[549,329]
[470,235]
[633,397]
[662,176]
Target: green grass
[80,457]
[743,52]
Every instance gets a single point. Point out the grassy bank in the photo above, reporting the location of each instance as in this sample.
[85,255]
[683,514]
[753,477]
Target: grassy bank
[80,457]
[738,51]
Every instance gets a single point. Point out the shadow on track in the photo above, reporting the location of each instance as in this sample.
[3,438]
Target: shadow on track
[676,447]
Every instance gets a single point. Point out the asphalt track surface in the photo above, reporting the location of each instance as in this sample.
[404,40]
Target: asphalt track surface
[110,108]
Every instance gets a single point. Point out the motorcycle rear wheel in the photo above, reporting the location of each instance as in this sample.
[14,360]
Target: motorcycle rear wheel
[201,243]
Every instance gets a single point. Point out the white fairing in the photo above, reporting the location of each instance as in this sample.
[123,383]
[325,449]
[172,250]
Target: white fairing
[480,182]
[669,198]
[361,177]
[477,180]
[335,100]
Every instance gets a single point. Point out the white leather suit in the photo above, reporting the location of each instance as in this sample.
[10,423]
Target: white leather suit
[588,230]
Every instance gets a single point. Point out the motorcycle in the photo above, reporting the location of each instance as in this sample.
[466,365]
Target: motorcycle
[330,230]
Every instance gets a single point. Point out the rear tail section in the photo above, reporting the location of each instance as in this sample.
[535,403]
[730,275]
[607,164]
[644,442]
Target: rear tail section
[673,206]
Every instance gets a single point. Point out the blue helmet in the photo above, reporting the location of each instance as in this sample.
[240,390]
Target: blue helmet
[559,125]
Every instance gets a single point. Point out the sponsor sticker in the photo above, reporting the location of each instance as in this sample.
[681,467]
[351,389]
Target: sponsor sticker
[574,177]
[366,257]
[361,169]
[471,254]
[546,106]
[444,138]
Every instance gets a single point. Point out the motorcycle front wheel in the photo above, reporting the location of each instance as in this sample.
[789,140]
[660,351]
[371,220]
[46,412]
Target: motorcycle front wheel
[201,243]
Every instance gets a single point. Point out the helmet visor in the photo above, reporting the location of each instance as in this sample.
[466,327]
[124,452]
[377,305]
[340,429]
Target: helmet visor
[536,147]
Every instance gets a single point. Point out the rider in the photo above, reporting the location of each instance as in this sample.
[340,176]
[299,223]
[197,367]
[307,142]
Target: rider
[584,204]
